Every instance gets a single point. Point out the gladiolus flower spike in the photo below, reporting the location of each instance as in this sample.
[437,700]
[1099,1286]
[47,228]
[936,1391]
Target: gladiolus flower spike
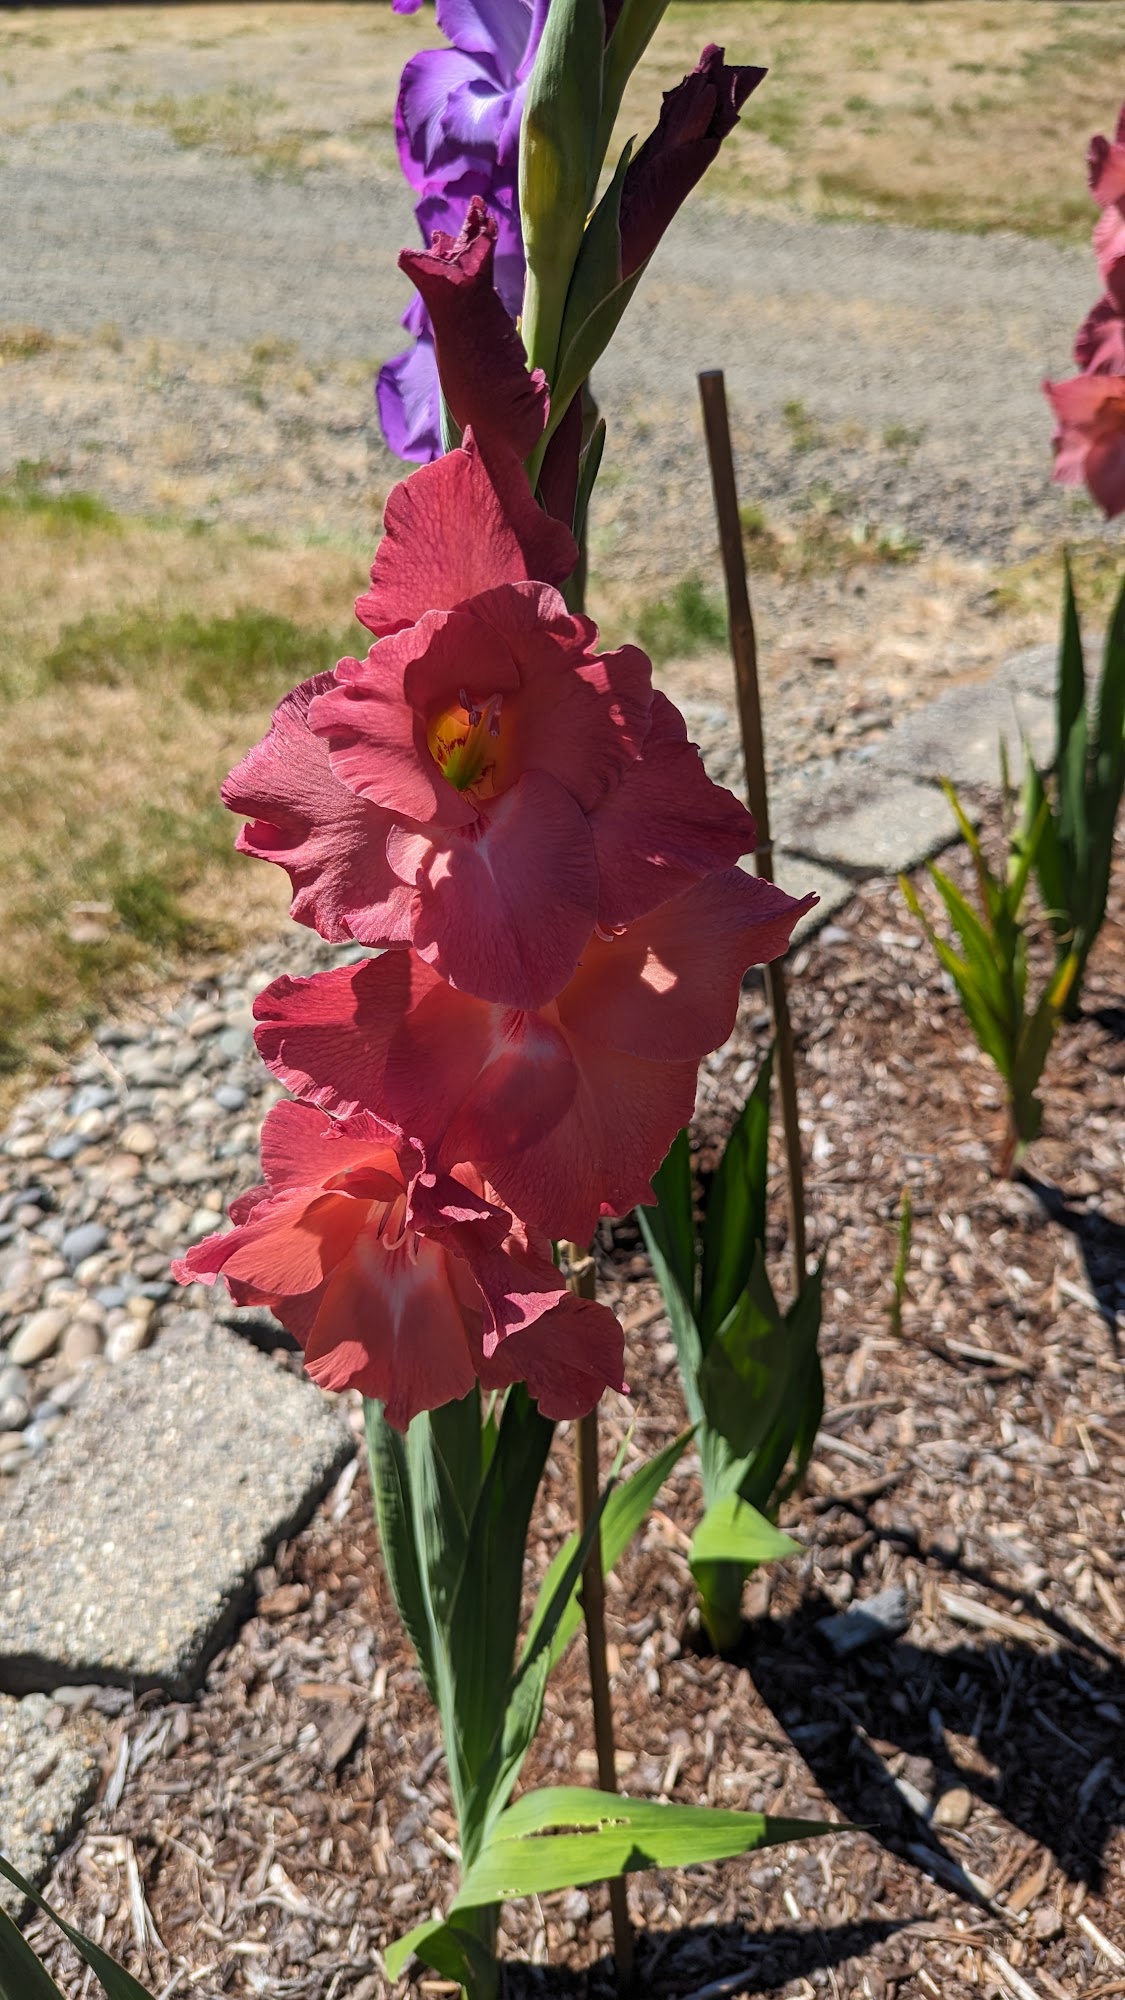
[1089,436]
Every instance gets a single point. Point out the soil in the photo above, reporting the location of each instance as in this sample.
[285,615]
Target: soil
[271,1837]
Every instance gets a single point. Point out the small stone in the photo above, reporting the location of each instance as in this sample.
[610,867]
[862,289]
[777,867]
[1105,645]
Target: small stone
[873,1619]
[110,1296]
[28,1216]
[125,1340]
[229,1097]
[27,1146]
[1046,1923]
[139,1139]
[83,1242]
[81,1342]
[37,1337]
[13,1381]
[202,1223]
[14,1413]
[234,1042]
[92,1125]
[92,1270]
[12,1445]
[41,1431]
[64,1148]
[953,1808]
[92,1097]
[208,1022]
[140,1308]
[157,1289]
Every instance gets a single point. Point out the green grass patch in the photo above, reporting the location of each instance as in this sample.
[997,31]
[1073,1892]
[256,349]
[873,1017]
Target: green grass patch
[26,495]
[690,620]
[231,663]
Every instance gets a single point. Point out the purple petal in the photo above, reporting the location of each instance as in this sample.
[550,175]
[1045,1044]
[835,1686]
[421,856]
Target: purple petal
[422,126]
[499,28]
[409,402]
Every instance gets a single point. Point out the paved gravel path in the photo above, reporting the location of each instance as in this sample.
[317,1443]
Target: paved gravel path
[865,324]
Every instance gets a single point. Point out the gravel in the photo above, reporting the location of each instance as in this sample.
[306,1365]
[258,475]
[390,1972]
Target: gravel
[47,1779]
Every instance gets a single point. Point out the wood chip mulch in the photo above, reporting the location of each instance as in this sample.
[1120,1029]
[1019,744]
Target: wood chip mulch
[268,1839]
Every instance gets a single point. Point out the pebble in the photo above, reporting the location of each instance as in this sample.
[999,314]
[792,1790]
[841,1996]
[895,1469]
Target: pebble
[229,1097]
[140,1308]
[92,1097]
[14,1413]
[81,1342]
[953,1808]
[236,1042]
[207,1023]
[38,1336]
[13,1381]
[139,1139]
[110,1296]
[83,1242]
[122,1341]
[65,1149]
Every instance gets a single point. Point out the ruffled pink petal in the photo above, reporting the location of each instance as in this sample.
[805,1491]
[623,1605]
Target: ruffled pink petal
[375,732]
[457,527]
[581,715]
[388,1033]
[665,826]
[504,909]
[593,1155]
[301,1148]
[668,987]
[1089,439]
[568,1358]
[1109,241]
[390,1326]
[1099,347]
[330,842]
[289,1245]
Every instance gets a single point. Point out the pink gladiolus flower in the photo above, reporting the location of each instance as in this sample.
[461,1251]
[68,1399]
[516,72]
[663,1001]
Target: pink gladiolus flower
[405,1285]
[459,526]
[567,1110]
[1100,346]
[488,788]
[480,356]
[1089,438]
[1105,165]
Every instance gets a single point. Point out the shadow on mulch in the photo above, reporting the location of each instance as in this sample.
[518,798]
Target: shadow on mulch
[1100,1240]
[1035,1734]
[679,1964]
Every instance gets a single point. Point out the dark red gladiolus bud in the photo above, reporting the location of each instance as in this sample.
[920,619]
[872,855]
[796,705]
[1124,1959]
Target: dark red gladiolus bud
[695,118]
[481,360]
[558,480]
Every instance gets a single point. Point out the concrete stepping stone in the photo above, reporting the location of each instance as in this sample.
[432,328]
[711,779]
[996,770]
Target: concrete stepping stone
[47,1779]
[862,817]
[127,1553]
[958,736]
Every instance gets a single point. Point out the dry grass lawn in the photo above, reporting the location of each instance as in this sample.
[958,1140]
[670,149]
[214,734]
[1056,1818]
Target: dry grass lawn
[965,114]
[137,662]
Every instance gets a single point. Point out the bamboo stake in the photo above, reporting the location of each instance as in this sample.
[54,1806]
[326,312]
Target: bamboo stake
[744,652]
[582,1281]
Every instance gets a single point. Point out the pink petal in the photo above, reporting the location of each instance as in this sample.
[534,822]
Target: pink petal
[581,715]
[388,1033]
[376,734]
[665,825]
[481,895]
[568,1357]
[667,988]
[301,1148]
[390,1326]
[1106,170]
[579,1159]
[331,843]
[457,527]
[1089,439]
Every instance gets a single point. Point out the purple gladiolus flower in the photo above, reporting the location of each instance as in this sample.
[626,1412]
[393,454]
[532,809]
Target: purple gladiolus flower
[457,122]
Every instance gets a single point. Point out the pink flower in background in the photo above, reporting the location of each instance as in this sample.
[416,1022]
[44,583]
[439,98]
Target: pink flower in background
[566,1110]
[406,1285]
[1089,438]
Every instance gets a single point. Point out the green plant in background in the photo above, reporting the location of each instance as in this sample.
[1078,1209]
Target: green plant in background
[751,1373]
[1079,807]
[990,970]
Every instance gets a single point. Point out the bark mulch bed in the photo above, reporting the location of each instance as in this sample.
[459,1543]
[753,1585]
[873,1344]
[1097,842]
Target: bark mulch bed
[268,1839]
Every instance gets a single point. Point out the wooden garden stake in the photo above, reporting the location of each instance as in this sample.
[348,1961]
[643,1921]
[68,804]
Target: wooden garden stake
[744,652]
[582,1281]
